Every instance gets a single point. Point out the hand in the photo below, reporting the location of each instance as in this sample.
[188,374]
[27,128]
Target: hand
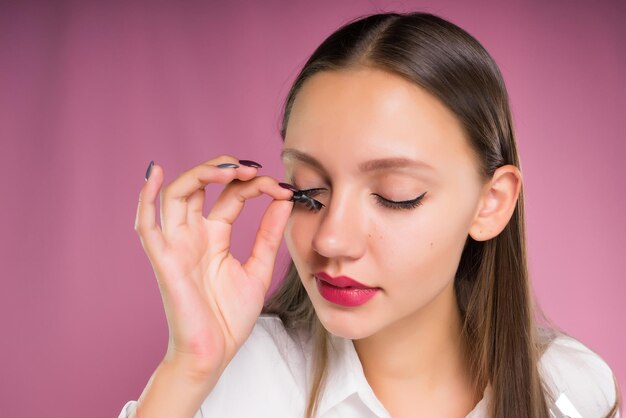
[211,300]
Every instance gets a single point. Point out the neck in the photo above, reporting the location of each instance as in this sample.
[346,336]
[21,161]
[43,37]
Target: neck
[423,349]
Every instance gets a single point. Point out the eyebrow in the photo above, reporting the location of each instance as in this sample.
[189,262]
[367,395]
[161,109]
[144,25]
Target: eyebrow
[380,164]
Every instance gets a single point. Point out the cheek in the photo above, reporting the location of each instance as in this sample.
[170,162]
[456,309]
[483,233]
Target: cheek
[298,235]
[424,249]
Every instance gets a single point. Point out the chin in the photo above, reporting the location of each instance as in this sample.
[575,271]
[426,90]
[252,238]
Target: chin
[345,324]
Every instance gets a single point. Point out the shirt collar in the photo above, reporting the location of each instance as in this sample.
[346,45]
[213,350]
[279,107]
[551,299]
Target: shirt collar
[346,377]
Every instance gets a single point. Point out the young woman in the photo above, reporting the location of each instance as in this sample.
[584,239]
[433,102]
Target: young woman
[408,292]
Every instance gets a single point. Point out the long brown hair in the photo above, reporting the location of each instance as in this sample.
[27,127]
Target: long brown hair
[504,331]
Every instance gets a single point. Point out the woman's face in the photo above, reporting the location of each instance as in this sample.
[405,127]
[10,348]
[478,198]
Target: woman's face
[343,120]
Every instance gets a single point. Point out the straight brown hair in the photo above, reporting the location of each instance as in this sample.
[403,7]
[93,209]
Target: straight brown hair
[504,331]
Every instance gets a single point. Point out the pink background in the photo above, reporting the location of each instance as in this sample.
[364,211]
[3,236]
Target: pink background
[91,92]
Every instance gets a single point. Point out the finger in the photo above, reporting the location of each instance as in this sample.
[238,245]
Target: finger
[174,197]
[260,265]
[195,203]
[146,227]
[229,204]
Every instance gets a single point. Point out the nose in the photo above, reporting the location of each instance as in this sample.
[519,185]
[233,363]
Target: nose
[342,231]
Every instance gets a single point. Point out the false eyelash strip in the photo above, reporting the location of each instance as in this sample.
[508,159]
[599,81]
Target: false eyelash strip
[309,202]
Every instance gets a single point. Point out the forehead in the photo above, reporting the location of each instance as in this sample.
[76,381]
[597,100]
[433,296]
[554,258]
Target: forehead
[369,113]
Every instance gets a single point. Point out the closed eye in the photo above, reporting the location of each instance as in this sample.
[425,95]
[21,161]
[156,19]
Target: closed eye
[405,204]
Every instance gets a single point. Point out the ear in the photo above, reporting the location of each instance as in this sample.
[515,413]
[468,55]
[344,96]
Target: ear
[497,203]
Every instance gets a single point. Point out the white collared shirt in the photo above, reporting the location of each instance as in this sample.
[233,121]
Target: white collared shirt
[268,378]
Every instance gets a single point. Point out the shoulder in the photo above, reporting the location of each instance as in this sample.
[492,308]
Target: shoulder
[586,380]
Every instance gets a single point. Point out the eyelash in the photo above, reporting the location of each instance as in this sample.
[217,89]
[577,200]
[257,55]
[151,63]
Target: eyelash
[304,196]
[406,204]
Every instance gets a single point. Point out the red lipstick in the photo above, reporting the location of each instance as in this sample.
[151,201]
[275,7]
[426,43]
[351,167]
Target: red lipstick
[343,290]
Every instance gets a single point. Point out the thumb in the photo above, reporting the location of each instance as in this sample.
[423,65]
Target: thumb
[260,265]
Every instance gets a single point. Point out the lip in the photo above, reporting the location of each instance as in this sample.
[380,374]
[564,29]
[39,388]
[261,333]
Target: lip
[341,281]
[336,290]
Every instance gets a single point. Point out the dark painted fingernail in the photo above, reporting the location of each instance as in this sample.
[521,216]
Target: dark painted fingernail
[227,165]
[250,163]
[288,187]
[149,170]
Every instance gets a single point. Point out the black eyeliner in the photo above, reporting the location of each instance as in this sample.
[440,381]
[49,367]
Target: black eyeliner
[405,204]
